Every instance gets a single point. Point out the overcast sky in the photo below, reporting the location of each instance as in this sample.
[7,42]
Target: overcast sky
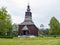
[42,10]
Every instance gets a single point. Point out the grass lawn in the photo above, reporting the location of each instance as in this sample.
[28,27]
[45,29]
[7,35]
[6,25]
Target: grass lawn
[31,41]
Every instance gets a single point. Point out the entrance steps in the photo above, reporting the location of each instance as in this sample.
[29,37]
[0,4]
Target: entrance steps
[25,36]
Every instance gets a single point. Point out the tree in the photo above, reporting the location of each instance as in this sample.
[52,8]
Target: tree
[15,30]
[44,31]
[5,21]
[54,26]
[15,27]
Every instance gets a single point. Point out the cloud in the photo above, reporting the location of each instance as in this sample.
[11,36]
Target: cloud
[17,19]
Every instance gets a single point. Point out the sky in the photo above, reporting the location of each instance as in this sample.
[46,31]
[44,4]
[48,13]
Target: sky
[42,10]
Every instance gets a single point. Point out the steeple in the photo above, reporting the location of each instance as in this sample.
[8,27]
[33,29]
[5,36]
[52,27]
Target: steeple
[28,14]
[28,8]
[28,17]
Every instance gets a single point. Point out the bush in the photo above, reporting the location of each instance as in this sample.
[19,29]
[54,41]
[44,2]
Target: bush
[6,37]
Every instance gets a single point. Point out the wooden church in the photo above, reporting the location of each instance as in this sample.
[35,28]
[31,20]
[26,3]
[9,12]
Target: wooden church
[28,27]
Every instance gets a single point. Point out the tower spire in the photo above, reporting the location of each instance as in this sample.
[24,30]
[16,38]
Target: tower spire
[28,7]
[28,2]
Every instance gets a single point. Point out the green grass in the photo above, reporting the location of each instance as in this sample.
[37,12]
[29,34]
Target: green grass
[31,41]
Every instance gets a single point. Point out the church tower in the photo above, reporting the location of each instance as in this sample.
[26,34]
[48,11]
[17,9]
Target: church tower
[27,27]
[28,15]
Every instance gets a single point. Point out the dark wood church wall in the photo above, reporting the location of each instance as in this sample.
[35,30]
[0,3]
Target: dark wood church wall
[33,30]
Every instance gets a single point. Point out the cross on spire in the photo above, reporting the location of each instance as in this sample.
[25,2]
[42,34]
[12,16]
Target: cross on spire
[28,7]
[28,2]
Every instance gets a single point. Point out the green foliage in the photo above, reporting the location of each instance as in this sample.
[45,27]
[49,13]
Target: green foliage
[15,30]
[44,31]
[15,27]
[54,26]
[15,33]
[5,21]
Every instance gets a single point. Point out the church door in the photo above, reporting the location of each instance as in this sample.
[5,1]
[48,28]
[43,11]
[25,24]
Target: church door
[25,32]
